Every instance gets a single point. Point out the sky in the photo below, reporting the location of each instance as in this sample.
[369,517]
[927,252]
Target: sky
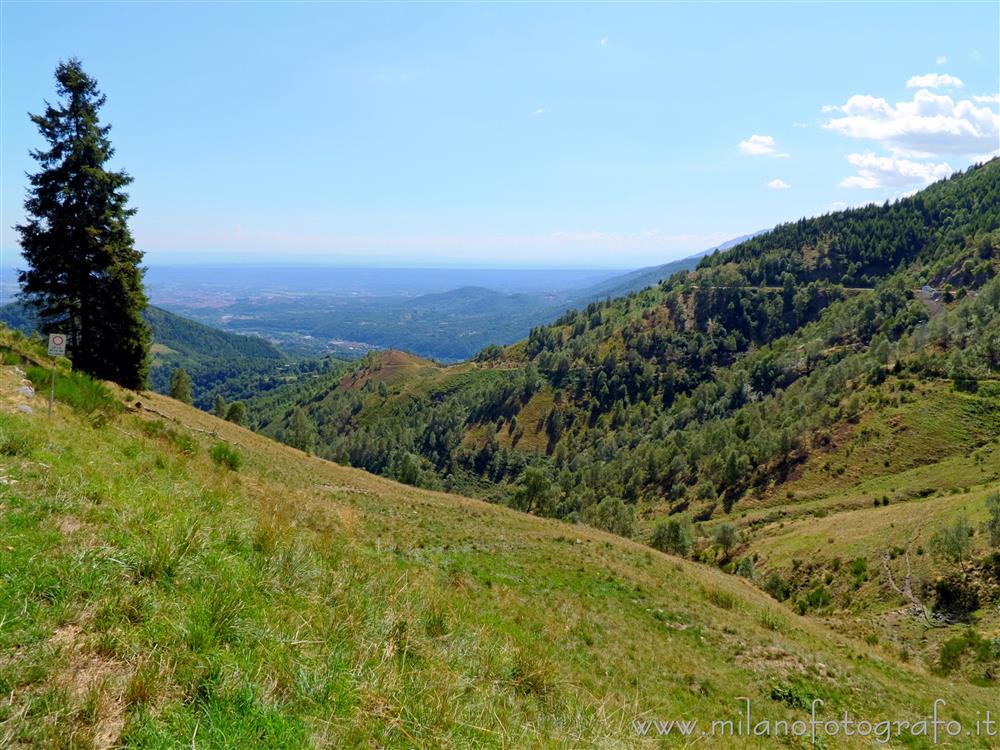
[502,134]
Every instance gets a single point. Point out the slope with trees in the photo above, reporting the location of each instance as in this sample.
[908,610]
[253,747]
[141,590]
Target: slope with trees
[714,384]
[173,579]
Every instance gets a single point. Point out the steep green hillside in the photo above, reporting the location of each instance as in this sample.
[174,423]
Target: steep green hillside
[171,580]
[799,410]
[689,395]
[214,359]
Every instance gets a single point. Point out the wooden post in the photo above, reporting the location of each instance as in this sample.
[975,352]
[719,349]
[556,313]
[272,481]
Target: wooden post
[52,389]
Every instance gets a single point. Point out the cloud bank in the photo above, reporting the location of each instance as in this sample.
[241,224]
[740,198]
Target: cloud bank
[917,135]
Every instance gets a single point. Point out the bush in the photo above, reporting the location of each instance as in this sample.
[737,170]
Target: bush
[80,391]
[613,515]
[14,440]
[954,649]
[816,598]
[776,586]
[955,597]
[726,538]
[223,455]
[672,537]
[993,521]
[859,569]
[745,568]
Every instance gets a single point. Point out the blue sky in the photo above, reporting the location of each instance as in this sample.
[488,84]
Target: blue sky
[516,135]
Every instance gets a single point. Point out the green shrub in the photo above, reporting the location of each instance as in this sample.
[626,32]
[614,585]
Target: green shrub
[954,649]
[955,597]
[776,586]
[816,598]
[183,442]
[77,389]
[793,694]
[745,568]
[223,455]
[612,515]
[672,537]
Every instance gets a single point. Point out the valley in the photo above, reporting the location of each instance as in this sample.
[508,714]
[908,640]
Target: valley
[391,376]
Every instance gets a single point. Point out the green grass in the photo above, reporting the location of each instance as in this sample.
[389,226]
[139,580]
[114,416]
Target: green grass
[76,389]
[149,599]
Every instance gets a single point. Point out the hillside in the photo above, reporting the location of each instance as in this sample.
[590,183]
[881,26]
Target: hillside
[174,580]
[217,361]
[778,412]
[700,390]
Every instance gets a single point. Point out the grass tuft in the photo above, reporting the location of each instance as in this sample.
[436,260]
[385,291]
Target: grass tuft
[223,455]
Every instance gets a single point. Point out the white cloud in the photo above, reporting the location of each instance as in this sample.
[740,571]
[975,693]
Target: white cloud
[928,126]
[761,145]
[777,184]
[604,41]
[889,171]
[935,81]
[917,136]
[540,111]
[987,99]
[941,59]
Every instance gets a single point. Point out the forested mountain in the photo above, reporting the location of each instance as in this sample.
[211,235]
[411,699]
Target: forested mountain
[707,388]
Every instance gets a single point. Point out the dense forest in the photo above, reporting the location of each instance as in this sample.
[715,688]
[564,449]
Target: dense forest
[696,391]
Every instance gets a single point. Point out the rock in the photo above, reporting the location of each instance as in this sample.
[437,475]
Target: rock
[25,409]
[25,390]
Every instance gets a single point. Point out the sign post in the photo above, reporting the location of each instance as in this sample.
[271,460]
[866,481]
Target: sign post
[57,348]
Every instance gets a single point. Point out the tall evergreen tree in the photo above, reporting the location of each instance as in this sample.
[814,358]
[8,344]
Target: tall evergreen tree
[181,386]
[83,274]
[219,407]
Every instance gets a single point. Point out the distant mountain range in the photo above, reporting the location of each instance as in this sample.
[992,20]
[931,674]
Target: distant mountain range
[447,326]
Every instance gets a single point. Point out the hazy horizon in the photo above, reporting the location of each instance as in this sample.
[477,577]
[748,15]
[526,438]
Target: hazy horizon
[503,135]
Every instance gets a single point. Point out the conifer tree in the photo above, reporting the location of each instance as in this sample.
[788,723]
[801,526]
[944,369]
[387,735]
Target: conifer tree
[83,275]
[219,407]
[180,386]
[237,413]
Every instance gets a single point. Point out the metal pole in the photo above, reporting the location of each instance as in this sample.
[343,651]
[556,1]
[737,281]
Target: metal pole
[52,389]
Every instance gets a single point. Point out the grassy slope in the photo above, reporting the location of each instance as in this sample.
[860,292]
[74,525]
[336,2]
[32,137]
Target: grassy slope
[927,456]
[152,598]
